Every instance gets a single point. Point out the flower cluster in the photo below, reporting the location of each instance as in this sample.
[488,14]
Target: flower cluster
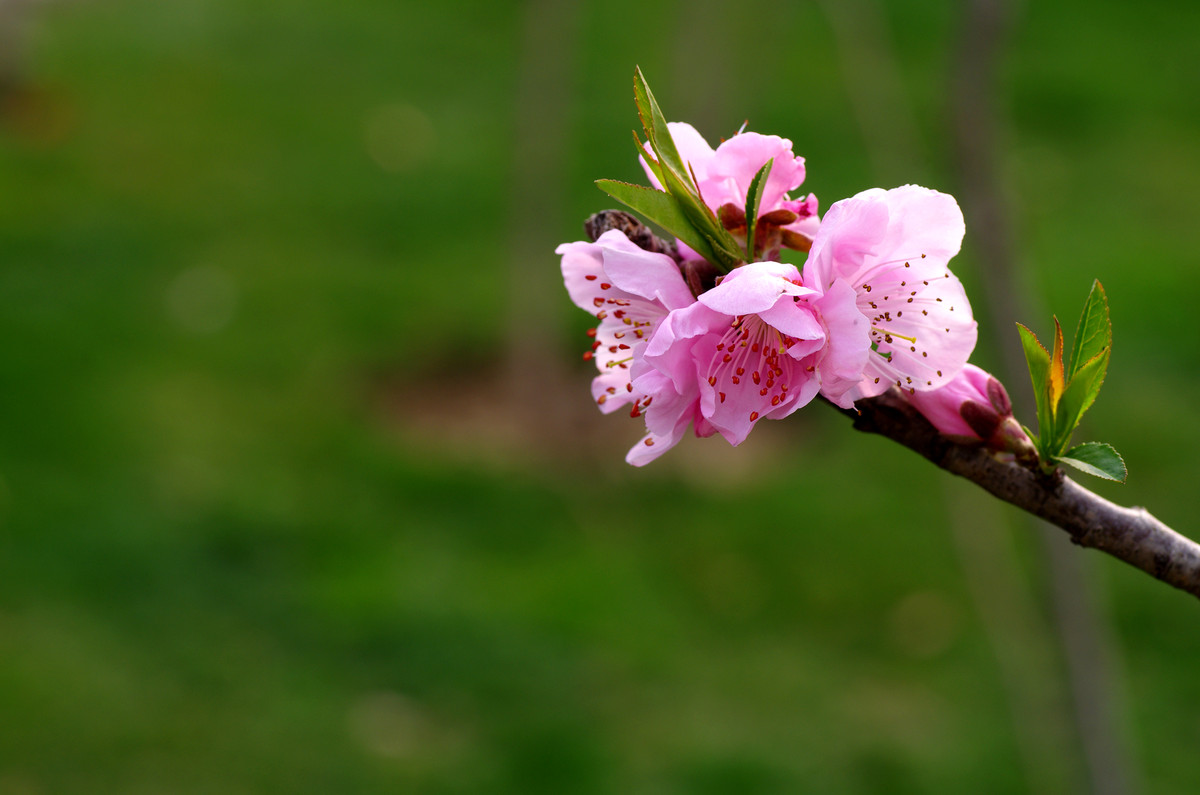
[874,306]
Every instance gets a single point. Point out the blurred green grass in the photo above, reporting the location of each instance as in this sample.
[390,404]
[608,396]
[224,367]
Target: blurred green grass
[230,562]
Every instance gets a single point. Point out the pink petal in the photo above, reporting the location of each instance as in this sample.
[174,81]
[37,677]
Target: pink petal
[850,232]
[652,276]
[849,343]
[753,288]
[668,414]
[580,261]
[738,159]
[670,348]
[807,223]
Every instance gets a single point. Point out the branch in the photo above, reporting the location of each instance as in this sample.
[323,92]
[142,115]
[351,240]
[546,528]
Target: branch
[1129,534]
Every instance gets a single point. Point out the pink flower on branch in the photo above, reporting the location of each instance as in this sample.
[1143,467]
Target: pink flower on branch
[892,248]
[630,291]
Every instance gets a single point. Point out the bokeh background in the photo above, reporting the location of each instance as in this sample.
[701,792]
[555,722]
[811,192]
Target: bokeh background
[301,488]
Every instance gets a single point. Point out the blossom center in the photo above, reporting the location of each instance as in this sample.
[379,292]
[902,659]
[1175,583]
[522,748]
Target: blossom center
[751,355]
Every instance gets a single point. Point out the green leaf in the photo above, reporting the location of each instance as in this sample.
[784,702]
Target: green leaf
[725,250]
[1033,437]
[661,208]
[677,179]
[753,200]
[647,156]
[1097,458]
[1038,359]
[1079,396]
[656,128]
[1094,332]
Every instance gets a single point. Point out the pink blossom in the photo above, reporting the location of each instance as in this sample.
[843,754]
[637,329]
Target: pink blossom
[723,177]
[892,248]
[754,347]
[630,291]
[974,406]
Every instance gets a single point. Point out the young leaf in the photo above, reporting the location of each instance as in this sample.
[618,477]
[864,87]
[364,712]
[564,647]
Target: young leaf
[1078,397]
[1094,332]
[1057,380]
[1097,458]
[753,199]
[647,157]
[662,209]
[677,180]
[726,252]
[1038,360]
[656,128]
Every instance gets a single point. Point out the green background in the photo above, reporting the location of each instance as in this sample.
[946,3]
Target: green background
[301,488]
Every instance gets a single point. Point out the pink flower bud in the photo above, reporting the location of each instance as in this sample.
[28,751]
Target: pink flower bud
[974,406]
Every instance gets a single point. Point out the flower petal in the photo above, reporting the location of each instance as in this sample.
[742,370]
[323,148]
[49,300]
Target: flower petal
[850,232]
[652,276]
[923,330]
[738,159]
[670,349]
[668,414]
[849,343]
[754,288]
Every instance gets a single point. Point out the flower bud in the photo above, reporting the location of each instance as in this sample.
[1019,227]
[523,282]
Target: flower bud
[975,407]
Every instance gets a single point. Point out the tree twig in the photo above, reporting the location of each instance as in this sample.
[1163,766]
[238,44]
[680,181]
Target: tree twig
[1132,535]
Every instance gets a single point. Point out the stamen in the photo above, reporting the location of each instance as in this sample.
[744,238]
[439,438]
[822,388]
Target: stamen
[887,333]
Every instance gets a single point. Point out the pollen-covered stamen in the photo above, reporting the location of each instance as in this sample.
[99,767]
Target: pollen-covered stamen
[623,322]
[640,405]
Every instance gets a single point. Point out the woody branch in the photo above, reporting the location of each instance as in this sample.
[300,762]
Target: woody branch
[1132,535]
